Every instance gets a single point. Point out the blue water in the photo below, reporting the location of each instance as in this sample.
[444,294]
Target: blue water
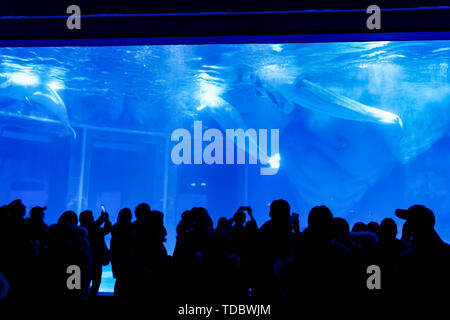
[363,128]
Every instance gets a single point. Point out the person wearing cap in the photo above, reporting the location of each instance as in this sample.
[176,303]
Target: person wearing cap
[423,269]
[421,222]
[36,228]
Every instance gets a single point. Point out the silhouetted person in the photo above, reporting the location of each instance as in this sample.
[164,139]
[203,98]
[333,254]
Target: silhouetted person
[362,236]
[68,218]
[387,251]
[218,273]
[340,234]
[67,245]
[237,232]
[195,235]
[36,228]
[16,250]
[198,237]
[243,242]
[250,259]
[360,227]
[319,268]
[276,234]
[142,210]
[275,243]
[144,277]
[423,269]
[181,252]
[358,253]
[406,235]
[295,224]
[17,209]
[121,240]
[223,225]
[374,227]
[96,237]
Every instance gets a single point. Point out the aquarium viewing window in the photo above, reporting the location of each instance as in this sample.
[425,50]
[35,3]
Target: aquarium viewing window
[360,126]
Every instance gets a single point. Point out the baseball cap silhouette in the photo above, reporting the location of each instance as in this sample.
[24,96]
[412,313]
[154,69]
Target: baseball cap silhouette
[418,216]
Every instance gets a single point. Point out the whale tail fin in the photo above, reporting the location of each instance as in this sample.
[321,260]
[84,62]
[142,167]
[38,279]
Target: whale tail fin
[400,123]
[68,131]
[74,133]
[399,133]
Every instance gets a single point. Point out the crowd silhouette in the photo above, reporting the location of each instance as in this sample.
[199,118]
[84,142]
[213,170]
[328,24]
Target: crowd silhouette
[236,260]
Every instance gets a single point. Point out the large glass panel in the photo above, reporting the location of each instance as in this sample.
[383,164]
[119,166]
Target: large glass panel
[362,127]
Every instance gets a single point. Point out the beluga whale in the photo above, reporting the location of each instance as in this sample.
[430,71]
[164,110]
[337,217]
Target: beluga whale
[312,96]
[27,88]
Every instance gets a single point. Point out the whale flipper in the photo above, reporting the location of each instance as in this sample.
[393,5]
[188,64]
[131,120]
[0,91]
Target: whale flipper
[273,96]
[51,101]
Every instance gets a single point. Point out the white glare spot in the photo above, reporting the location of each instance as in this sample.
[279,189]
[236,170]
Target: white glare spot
[56,85]
[277,47]
[203,184]
[23,78]
[209,94]
[274,161]
[193,184]
[375,44]
[203,106]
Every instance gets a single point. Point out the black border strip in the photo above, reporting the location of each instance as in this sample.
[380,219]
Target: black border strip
[207,25]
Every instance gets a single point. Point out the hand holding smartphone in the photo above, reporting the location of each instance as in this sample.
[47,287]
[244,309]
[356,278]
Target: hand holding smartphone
[247,209]
[104,213]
